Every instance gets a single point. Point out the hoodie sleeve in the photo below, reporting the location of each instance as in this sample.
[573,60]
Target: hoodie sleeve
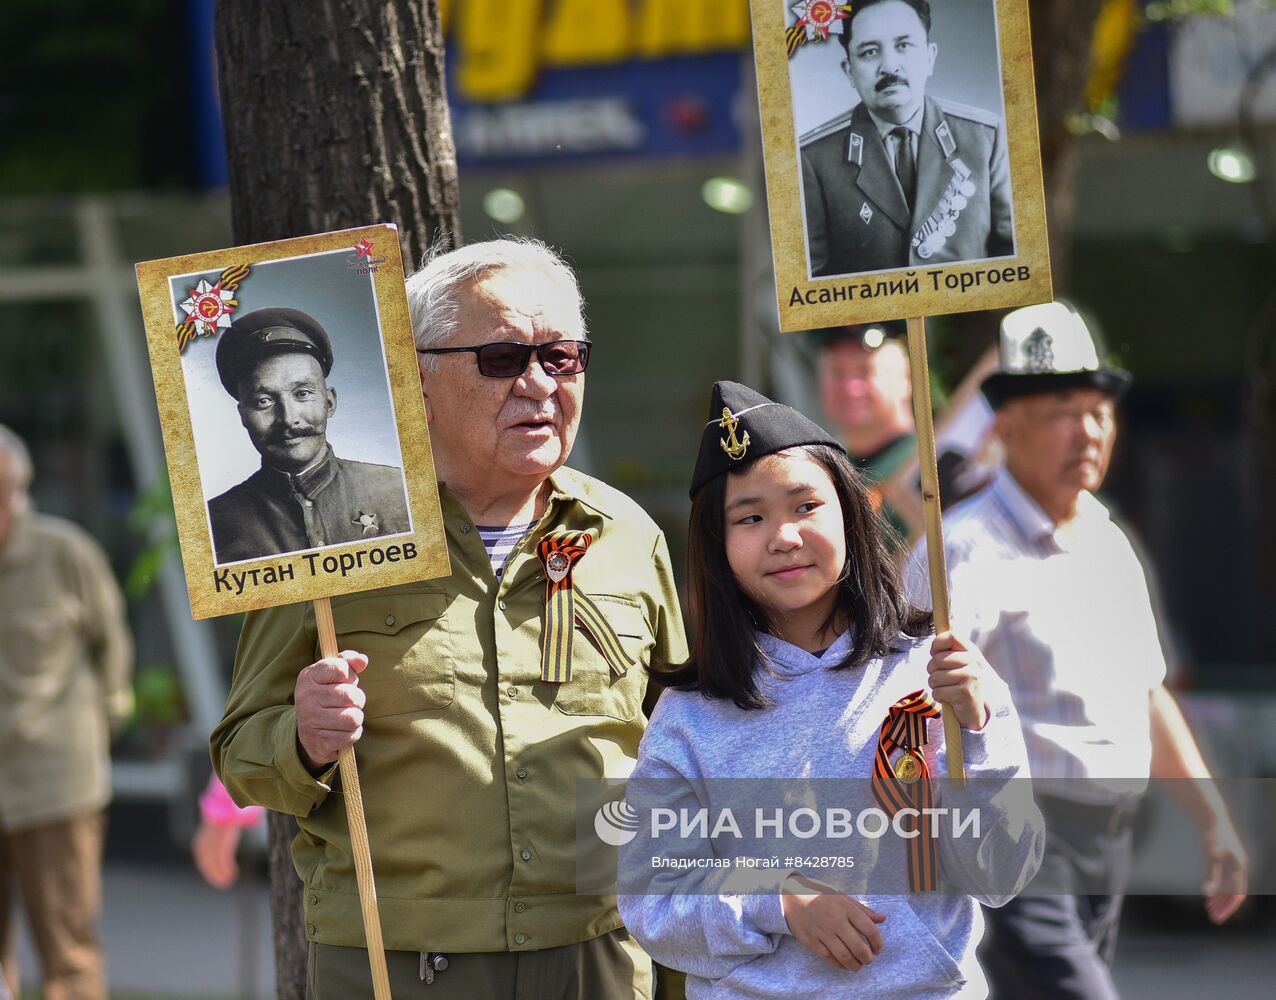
[689,909]
[999,850]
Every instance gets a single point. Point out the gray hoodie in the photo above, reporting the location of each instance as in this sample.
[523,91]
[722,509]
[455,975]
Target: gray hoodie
[724,926]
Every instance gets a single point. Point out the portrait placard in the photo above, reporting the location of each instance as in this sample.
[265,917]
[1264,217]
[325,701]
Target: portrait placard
[293,422]
[902,161]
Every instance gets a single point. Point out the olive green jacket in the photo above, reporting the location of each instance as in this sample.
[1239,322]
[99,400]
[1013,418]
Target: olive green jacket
[468,761]
[66,661]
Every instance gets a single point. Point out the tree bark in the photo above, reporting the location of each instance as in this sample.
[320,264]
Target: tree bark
[336,116]
[1062,33]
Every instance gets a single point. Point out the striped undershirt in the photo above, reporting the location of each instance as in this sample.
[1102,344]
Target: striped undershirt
[501,541]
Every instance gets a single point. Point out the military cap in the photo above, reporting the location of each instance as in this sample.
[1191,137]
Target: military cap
[1049,348]
[263,333]
[744,425]
[870,336]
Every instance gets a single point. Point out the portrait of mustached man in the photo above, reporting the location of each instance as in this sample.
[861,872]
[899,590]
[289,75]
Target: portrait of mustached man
[903,179]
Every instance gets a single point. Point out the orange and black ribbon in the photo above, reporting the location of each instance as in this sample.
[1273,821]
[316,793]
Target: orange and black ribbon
[905,728]
[567,607]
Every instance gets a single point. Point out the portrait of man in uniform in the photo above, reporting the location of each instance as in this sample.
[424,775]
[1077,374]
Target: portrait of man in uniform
[275,363]
[903,179]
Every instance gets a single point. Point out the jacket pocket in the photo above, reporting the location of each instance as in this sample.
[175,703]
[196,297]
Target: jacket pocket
[409,650]
[594,689]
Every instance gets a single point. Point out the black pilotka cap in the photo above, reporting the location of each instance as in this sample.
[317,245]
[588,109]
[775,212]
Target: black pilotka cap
[265,332]
[744,425]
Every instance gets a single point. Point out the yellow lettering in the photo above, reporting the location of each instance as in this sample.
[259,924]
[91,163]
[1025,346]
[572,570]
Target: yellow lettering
[679,27]
[445,14]
[582,32]
[497,43]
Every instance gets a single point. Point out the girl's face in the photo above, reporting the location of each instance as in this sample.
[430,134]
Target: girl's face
[786,541]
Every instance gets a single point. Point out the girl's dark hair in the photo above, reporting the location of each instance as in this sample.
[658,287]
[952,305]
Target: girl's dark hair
[725,656]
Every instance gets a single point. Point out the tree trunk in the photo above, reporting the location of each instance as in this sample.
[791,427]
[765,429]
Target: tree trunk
[336,116]
[1062,32]
[288,924]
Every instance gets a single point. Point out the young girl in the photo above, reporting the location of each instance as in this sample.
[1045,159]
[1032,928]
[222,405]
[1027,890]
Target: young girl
[810,665]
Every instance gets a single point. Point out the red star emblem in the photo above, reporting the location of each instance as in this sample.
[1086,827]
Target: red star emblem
[364,248]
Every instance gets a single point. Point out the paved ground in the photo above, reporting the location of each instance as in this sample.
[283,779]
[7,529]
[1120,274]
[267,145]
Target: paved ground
[170,937]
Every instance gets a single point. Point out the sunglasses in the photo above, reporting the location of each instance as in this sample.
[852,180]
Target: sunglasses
[509,360]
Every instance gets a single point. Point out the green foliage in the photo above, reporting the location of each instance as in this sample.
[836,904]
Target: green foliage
[158,693]
[152,518]
[1177,10]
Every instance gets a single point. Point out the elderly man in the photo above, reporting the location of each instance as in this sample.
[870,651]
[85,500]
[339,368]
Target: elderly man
[275,363]
[472,726]
[903,179]
[866,392]
[1049,588]
[65,672]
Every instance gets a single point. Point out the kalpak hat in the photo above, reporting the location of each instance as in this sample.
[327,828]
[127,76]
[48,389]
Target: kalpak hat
[744,425]
[266,332]
[1048,348]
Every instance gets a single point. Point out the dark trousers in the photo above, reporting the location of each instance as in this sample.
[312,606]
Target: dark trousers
[1057,939]
[57,870]
[611,967]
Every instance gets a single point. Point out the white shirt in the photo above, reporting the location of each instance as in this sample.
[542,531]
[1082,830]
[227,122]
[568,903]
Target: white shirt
[1062,613]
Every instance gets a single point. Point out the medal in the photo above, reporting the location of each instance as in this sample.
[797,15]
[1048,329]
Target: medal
[959,202]
[967,188]
[948,228]
[556,566]
[907,769]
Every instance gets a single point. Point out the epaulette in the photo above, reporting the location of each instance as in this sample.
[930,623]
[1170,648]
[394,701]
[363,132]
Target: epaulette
[969,112]
[828,128]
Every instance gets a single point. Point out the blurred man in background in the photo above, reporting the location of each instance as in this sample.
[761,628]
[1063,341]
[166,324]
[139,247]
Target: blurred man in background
[866,393]
[65,686]
[1049,587]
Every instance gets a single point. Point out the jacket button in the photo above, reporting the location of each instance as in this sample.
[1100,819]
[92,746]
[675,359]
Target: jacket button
[525,854]
[389,619]
[310,929]
[520,938]
[314,900]
[512,691]
[465,527]
[520,907]
[521,772]
[502,605]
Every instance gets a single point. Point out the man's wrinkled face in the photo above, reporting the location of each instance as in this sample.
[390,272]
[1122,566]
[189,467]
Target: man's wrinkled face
[862,388]
[890,59]
[285,405]
[1060,443]
[519,428]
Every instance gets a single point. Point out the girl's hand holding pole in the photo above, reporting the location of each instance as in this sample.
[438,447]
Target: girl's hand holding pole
[955,668]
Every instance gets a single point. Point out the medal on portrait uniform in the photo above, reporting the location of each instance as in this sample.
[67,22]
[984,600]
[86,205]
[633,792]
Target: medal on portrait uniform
[941,225]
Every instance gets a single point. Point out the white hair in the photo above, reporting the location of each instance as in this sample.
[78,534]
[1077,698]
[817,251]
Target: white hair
[433,289]
[20,458]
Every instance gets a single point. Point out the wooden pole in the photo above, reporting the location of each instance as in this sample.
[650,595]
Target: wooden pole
[358,825]
[934,526]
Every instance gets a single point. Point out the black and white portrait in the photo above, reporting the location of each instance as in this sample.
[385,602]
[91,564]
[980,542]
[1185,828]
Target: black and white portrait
[291,412]
[899,118]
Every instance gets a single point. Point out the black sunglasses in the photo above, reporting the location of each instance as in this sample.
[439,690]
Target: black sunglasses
[509,360]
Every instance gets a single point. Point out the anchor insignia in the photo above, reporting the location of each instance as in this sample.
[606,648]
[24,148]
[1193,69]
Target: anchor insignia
[734,447]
